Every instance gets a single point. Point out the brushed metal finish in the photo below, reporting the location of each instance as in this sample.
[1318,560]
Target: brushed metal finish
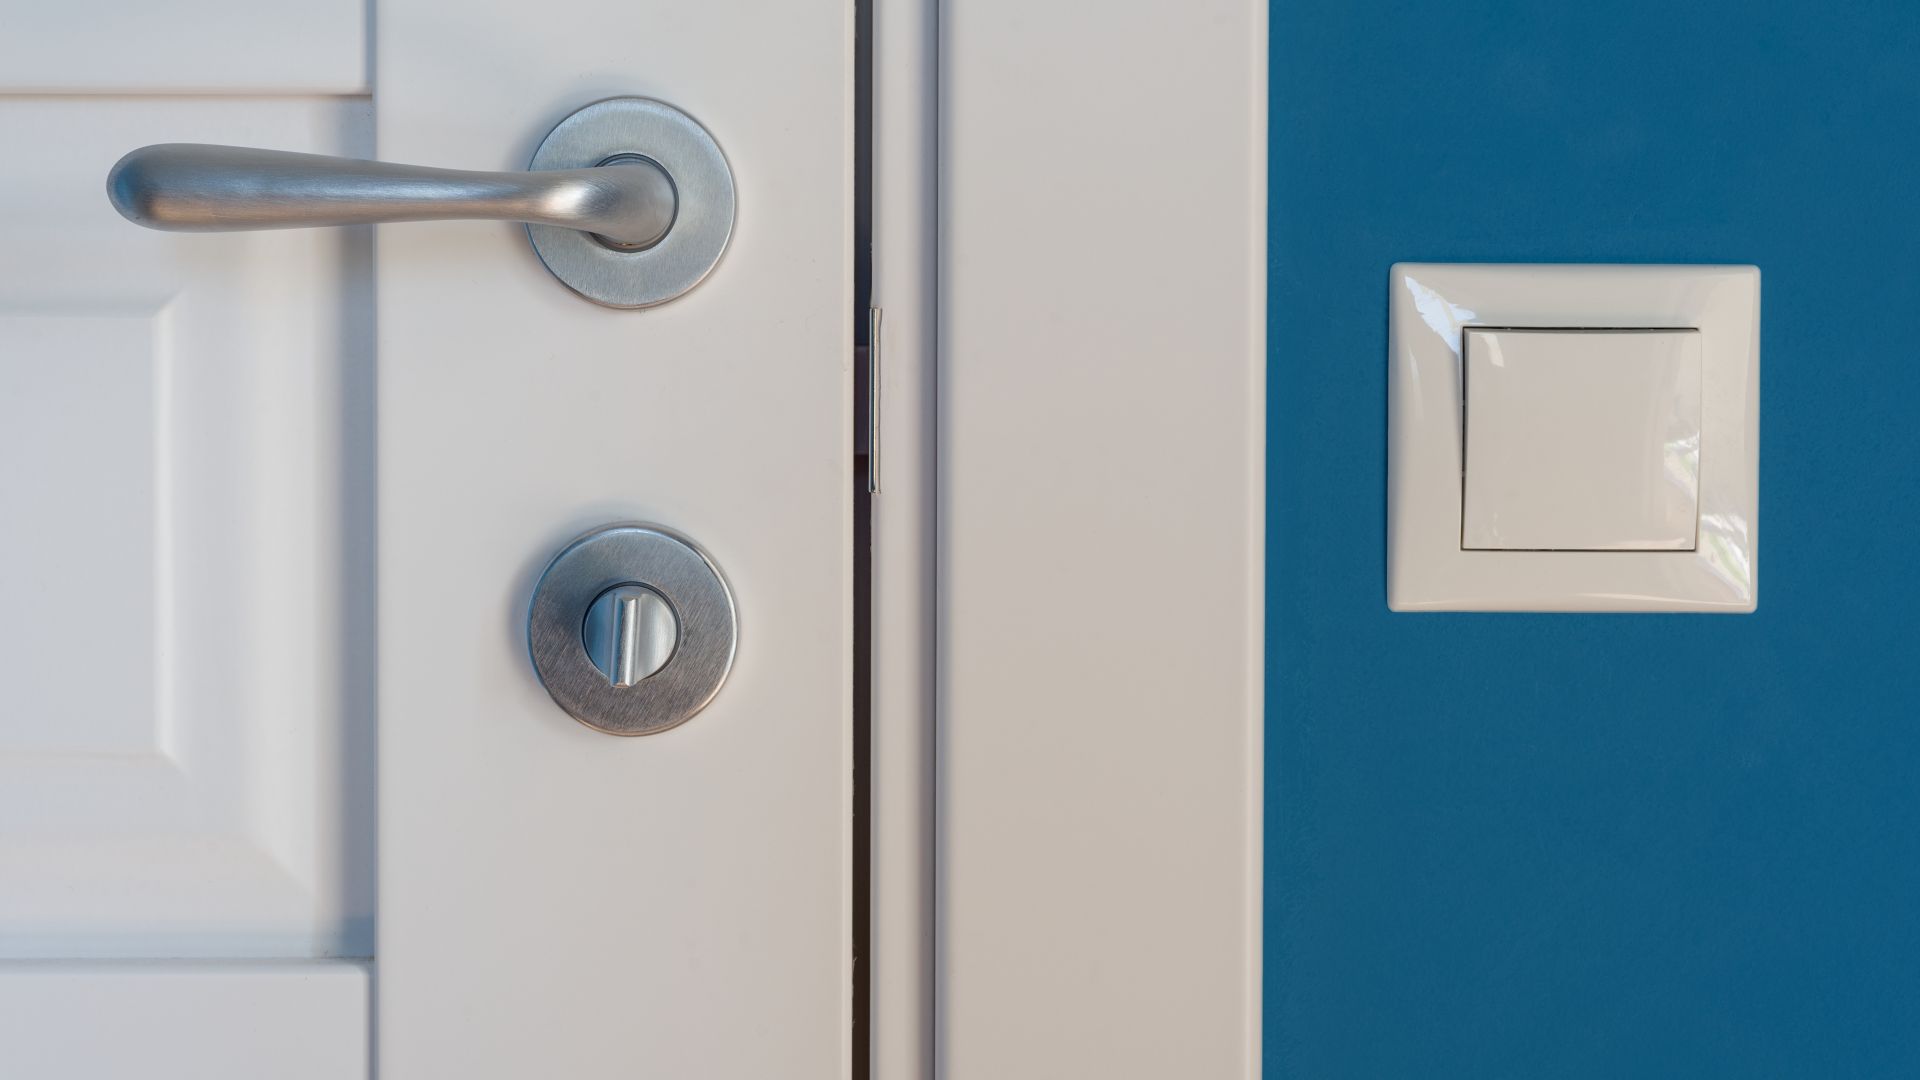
[874,358]
[194,187]
[629,201]
[630,633]
[604,561]
[701,178]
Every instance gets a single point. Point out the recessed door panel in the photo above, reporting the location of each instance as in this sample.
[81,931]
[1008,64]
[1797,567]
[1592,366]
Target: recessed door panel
[186,739]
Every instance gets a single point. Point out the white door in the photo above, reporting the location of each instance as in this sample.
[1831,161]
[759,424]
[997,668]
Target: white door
[257,488]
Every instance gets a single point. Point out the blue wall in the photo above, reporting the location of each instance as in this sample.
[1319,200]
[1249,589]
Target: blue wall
[1621,846]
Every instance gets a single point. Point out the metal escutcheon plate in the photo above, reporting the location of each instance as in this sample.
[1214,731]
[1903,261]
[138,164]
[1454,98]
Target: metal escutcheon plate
[628,128]
[669,565]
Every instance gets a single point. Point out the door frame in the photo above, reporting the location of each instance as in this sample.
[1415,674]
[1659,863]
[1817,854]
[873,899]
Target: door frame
[1072,422]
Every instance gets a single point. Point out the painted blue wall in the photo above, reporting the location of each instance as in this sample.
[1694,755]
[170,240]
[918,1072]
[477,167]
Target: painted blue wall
[1623,846]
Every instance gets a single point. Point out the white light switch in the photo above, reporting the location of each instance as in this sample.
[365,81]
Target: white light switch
[1581,440]
[1573,438]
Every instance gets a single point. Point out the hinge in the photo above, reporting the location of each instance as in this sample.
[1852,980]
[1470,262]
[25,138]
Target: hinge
[873,401]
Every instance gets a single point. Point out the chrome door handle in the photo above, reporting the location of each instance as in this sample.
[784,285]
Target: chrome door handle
[629,201]
[191,187]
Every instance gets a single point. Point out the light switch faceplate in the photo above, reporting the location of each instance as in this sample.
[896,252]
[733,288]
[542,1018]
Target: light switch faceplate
[1573,438]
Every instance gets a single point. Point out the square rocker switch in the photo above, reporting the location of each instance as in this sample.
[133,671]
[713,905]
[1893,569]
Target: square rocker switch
[1581,440]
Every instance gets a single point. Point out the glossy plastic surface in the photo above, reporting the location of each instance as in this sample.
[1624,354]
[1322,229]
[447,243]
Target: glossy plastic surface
[1433,305]
[1582,440]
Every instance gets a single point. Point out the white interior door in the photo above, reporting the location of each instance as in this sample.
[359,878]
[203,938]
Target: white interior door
[257,489]
[555,901]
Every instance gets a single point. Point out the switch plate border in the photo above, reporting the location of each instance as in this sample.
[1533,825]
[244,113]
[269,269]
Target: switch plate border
[1430,307]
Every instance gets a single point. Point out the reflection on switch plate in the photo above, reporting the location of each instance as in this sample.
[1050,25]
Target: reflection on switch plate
[1573,438]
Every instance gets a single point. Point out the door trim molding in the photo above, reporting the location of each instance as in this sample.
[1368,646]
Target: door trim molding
[901,859]
[1100,530]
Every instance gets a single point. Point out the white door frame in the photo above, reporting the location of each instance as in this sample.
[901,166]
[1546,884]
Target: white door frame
[905,125]
[1070,244]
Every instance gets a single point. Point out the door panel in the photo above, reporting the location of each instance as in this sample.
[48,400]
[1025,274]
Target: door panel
[195,46]
[189,527]
[556,901]
[185,747]
[185,1021]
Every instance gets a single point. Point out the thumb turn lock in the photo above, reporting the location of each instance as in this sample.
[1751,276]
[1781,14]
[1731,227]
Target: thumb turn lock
[631,629]
[630,633]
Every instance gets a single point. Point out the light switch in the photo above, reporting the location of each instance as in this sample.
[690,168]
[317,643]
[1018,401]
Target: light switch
[1573,437]
[1581,440]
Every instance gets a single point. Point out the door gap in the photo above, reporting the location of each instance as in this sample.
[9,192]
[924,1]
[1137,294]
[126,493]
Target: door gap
[861,933]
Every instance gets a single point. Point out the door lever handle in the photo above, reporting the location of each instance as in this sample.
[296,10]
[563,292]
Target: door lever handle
[629,201]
